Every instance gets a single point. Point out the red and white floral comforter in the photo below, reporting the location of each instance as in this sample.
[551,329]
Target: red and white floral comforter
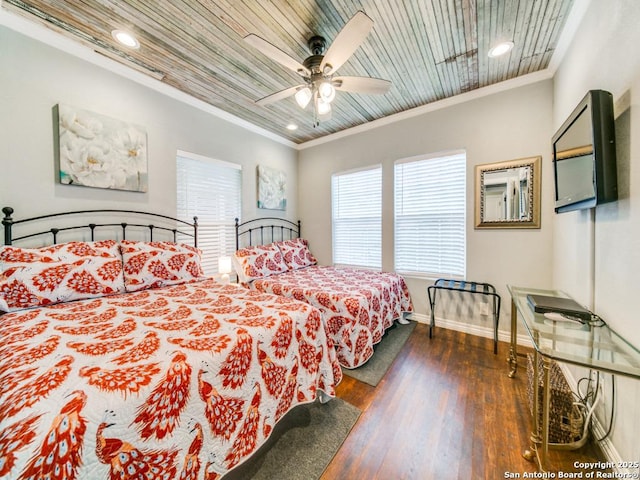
[357,305]
[183,381]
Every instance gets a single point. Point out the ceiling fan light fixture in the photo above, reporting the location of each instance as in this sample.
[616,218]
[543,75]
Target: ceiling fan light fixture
[322,107]
[326,91]
[500,49]
[303,97]
[125,38]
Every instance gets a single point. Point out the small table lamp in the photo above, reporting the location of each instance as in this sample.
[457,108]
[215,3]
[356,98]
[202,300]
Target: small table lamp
[224,267]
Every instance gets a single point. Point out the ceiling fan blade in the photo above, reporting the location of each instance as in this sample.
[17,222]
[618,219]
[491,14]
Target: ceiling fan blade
[368,85]
[274,97]
[274,53]
[348,40]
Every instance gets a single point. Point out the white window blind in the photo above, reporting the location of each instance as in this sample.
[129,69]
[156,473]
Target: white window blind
[212,191]
[356,199]
[430,206]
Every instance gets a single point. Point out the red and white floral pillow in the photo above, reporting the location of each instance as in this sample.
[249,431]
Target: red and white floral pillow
[296,253]
[59,273]
[158,264]
[258,262]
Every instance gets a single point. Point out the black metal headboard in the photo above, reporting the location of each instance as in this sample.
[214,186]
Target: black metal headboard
[258,229]
[171,226]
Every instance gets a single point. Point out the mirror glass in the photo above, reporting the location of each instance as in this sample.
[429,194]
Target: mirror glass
[507,194]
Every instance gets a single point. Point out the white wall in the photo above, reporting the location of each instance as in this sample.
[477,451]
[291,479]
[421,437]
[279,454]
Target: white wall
[603,55]
[35,77]
[503,126]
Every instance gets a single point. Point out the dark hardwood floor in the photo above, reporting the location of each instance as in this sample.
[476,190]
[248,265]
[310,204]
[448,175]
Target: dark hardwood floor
[446,409]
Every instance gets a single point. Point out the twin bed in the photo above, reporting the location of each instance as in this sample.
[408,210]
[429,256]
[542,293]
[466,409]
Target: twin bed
[118,360]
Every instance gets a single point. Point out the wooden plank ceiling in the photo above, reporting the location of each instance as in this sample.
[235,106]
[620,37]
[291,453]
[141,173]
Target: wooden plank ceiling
[428,49]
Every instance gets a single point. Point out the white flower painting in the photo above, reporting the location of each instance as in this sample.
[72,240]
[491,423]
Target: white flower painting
[272,185]
[102,152]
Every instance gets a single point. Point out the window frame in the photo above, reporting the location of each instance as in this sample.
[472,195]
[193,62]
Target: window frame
[338,259]
[211,251]
[462,221]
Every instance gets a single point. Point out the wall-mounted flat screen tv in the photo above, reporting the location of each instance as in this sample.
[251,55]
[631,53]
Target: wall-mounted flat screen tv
[584,155]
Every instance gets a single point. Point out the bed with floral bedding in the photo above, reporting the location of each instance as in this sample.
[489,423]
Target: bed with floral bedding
[119,360]
[357,305]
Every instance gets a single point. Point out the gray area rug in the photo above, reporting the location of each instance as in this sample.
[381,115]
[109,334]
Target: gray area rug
[302,444]
[384,354]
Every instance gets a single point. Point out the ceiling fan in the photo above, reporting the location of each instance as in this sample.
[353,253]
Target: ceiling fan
[318,70]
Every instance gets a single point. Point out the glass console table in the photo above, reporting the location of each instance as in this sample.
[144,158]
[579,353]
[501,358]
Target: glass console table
[590,346]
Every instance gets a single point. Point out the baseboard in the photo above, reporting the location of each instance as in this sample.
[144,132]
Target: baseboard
[597,429]
[478,330]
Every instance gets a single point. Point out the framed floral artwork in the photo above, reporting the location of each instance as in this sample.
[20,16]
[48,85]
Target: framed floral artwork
[94,150]
[272,185]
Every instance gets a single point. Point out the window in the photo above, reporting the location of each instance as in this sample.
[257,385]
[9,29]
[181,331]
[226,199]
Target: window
[356,199]
[212,191]
[430,207]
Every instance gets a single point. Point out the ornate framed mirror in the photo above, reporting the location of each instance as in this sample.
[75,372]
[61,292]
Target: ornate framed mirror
[508,194]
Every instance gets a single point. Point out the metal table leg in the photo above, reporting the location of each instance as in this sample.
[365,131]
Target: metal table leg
[532,452]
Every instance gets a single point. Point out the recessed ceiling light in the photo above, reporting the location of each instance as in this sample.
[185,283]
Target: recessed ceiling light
[292,126]
[125,38]
[500,49]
